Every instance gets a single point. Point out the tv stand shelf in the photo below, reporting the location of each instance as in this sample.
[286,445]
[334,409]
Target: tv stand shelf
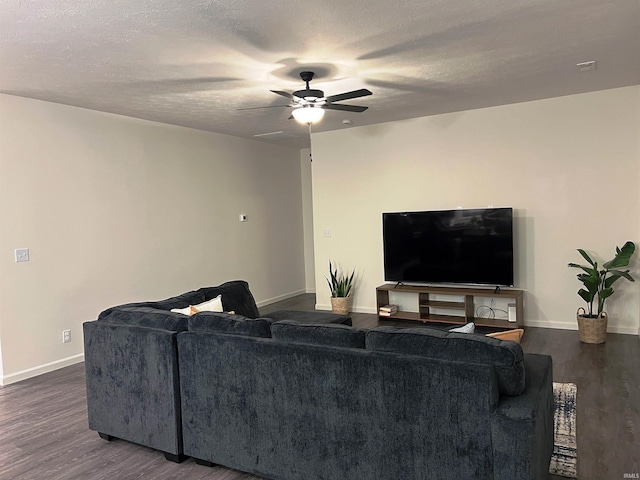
[426,304]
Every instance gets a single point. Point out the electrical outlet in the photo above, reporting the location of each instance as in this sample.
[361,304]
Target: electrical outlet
[66,336]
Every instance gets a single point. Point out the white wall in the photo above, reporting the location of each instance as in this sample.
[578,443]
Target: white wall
[568,166]
[115,209]
[307,209]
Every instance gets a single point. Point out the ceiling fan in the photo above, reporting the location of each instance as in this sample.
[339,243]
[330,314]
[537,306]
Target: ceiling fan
[309,104]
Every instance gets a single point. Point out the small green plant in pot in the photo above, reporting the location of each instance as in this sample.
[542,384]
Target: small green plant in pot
[598,286]
[341,286]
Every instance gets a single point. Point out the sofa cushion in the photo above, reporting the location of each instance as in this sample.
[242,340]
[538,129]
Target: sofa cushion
[193,297]
[213,305]
[146,317]
[506,358]
[333,334]
[314,317]
[467,328]
[236,296]
[514,335]
[220,322]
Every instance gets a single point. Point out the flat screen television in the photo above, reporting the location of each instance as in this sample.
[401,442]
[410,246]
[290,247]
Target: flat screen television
[470,246]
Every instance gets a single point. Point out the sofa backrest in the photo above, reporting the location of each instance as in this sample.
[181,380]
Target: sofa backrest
[184,300]
[236,296]
[145,317]
[319,407]
[220,322]
[506,358]
[333,334]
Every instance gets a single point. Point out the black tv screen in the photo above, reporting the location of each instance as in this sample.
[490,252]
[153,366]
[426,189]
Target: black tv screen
[471,246]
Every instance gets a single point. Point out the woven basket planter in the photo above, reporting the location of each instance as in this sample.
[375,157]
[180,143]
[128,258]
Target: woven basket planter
[340,305]
[592,330]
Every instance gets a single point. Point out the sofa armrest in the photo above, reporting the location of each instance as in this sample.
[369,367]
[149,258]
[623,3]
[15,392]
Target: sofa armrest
[133,390]
[522,426]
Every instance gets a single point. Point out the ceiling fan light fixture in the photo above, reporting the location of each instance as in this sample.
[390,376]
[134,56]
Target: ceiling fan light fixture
[308,114]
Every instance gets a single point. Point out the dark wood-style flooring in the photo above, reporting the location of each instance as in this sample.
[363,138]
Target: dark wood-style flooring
[44,434]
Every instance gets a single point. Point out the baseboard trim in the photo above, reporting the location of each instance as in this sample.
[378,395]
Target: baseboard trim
[611,328]
[279,298]
[39,370]
[554,325]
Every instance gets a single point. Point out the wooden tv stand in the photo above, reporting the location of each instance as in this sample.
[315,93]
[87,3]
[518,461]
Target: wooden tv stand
[425,303]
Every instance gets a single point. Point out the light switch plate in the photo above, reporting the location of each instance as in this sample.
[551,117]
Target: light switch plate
[22,254]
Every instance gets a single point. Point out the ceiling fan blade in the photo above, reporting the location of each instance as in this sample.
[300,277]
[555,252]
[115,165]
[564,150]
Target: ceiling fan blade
[266,106]
[346,108]
[363,92]
[284,94]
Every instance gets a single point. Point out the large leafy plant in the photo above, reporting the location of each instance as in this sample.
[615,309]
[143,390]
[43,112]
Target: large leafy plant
[598,281]
[341,285]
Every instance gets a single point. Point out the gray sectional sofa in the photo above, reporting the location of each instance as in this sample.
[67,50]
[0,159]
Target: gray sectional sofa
[294,400]
[131,363]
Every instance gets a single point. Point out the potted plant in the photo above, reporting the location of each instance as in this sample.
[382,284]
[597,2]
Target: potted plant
[598,286]
[341,287]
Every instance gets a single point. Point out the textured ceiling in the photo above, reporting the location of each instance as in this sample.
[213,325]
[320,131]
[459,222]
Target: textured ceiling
[195,62]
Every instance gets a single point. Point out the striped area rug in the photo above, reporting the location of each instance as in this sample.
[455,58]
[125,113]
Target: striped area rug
[565,454]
